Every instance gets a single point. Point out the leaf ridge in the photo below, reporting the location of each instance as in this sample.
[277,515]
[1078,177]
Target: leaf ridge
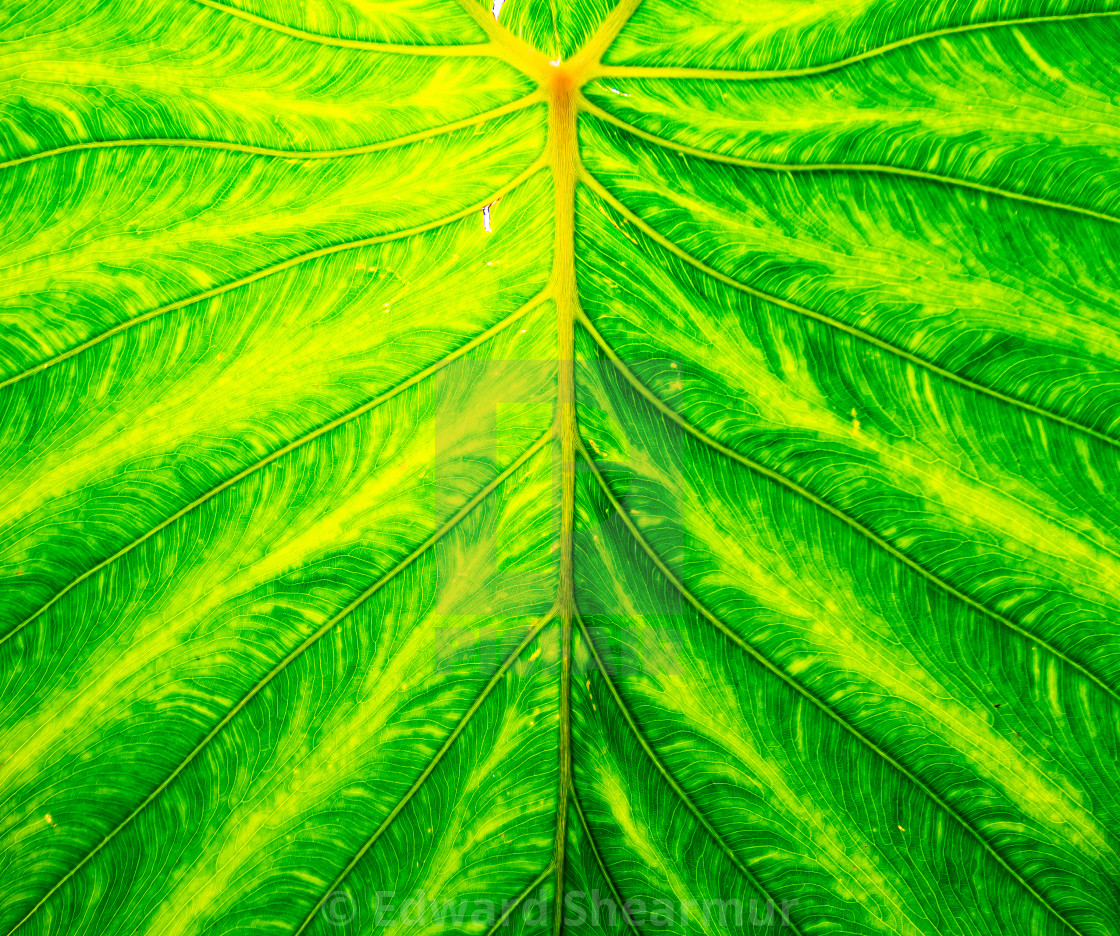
[311,436]
[253,150]
[275,268]
[432,764]
[639,736]
[719,74]
[878,168]
[834,511]
[823,706]
[596,186]
[295,654]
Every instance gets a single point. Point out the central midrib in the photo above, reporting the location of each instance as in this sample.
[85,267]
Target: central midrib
[562,83]
[562,155]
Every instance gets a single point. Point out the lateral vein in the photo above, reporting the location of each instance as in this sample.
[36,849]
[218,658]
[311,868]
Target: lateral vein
[505,45]
[602,865]
[400,567]
[272,270]
[536,882]
[871,168]
[253,150]
[470,49]
[719,74]
[841,515]
[287,449]
[639,736]
[596,186]
[820,704]
[432,764]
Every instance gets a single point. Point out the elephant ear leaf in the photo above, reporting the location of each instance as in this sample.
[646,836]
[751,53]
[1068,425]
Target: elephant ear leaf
[584,467]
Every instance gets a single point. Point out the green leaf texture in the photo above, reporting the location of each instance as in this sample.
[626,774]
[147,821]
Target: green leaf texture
[594,468]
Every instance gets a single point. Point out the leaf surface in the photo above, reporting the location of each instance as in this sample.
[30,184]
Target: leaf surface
[585,468]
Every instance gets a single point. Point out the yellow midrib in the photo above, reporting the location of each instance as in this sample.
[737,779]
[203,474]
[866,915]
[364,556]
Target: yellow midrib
[563,160]
[561,83]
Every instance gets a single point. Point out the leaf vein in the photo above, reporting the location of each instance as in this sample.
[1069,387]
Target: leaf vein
[720,74]
[272,270]
[640,737]
[602,865]
[396,570]
[254,150]
[432,764]
[536,882]
[841,515]
[874,168]
[596,186]
[820,704]
[479,48]
[286,450]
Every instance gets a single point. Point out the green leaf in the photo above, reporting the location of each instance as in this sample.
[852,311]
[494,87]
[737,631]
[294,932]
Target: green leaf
[607,468]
